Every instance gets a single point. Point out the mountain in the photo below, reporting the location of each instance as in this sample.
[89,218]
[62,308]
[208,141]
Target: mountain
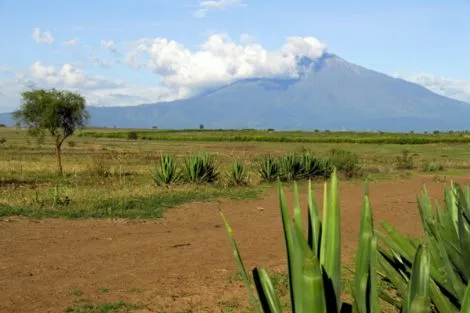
[330,93]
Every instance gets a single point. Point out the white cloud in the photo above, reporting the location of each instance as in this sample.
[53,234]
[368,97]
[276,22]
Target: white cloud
[71,42]
[448,87]
[44,37]
[220,60]
[67,77]
[110,45]
[212,5]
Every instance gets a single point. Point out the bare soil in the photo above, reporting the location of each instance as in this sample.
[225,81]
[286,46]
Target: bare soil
[182,263]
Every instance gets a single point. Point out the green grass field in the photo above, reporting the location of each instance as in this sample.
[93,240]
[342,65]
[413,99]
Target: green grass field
[108,175]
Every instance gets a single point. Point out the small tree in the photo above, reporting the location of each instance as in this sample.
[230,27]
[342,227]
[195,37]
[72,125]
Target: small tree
[58,112]
[201,126]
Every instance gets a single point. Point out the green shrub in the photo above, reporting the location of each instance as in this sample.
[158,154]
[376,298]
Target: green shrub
[269,169]
[346,162]
[132,135]
[433,166]
[167,172]
[200,168]
[238,175]
[71,143]
[2,140]
[405,161]
[3,125]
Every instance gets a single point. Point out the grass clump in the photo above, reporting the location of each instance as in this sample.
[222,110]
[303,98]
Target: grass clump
[200,168]
[346,162]
[433,166]
[167,172]
[238,175]
[405,161]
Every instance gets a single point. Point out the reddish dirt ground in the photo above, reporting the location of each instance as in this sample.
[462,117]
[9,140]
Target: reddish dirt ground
[182,263]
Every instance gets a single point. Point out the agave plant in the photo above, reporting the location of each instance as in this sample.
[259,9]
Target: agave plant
[314,262]
[201,168]
[238,175]
[314,259]
[167,172]
[269,169]
[447,234]
[291,167]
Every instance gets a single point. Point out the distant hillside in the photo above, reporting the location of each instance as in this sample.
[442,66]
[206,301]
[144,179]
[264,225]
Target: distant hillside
[330,94]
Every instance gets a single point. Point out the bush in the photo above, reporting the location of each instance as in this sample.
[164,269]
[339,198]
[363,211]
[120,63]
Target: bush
[3,125]
[269,169]
[167,172]
[200,168]
[238,175]
[71,143]
[132,135]
[346,162]
[433,167]
[2,140]
[405,161]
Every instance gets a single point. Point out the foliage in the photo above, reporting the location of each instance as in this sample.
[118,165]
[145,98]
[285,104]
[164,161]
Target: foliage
[433,166]
[291,167]
[99,166]
[346,162]
[200,168]
[300,137]
[238,175]
[167,172]
[58,112]
[268,169]
[121,307]
[132,135]
[405,161]
[2,140]
[430,275]
[447,236]
[72,143]
[3,125]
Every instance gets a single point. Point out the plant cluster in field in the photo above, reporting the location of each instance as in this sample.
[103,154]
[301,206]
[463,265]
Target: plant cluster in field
[294,167]
[203,168]
[431,274]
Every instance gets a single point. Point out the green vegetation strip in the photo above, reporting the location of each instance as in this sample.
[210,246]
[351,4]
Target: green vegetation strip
[130,208]
[314,138]
[121,307]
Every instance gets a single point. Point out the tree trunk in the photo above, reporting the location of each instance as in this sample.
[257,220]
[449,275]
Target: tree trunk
[59,159]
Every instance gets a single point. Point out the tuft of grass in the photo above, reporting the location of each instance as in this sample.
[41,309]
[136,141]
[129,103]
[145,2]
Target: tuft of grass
[238,175]
[200,168]
[105,307]
[103,290]
[405,161]
[433,166]
[167,172]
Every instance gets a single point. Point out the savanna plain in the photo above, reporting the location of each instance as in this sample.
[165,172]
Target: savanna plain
[133,225]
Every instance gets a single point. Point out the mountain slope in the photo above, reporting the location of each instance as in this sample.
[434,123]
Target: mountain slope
[329,94]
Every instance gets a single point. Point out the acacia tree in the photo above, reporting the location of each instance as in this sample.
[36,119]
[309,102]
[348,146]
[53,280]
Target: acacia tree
[58,112]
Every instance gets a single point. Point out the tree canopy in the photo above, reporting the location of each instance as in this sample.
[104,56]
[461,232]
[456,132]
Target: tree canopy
[55,111]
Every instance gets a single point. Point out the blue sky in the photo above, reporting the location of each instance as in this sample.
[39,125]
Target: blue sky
[128,52]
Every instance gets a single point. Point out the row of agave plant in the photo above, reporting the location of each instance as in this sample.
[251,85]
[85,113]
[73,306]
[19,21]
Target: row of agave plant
[203,168]
[430,275]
